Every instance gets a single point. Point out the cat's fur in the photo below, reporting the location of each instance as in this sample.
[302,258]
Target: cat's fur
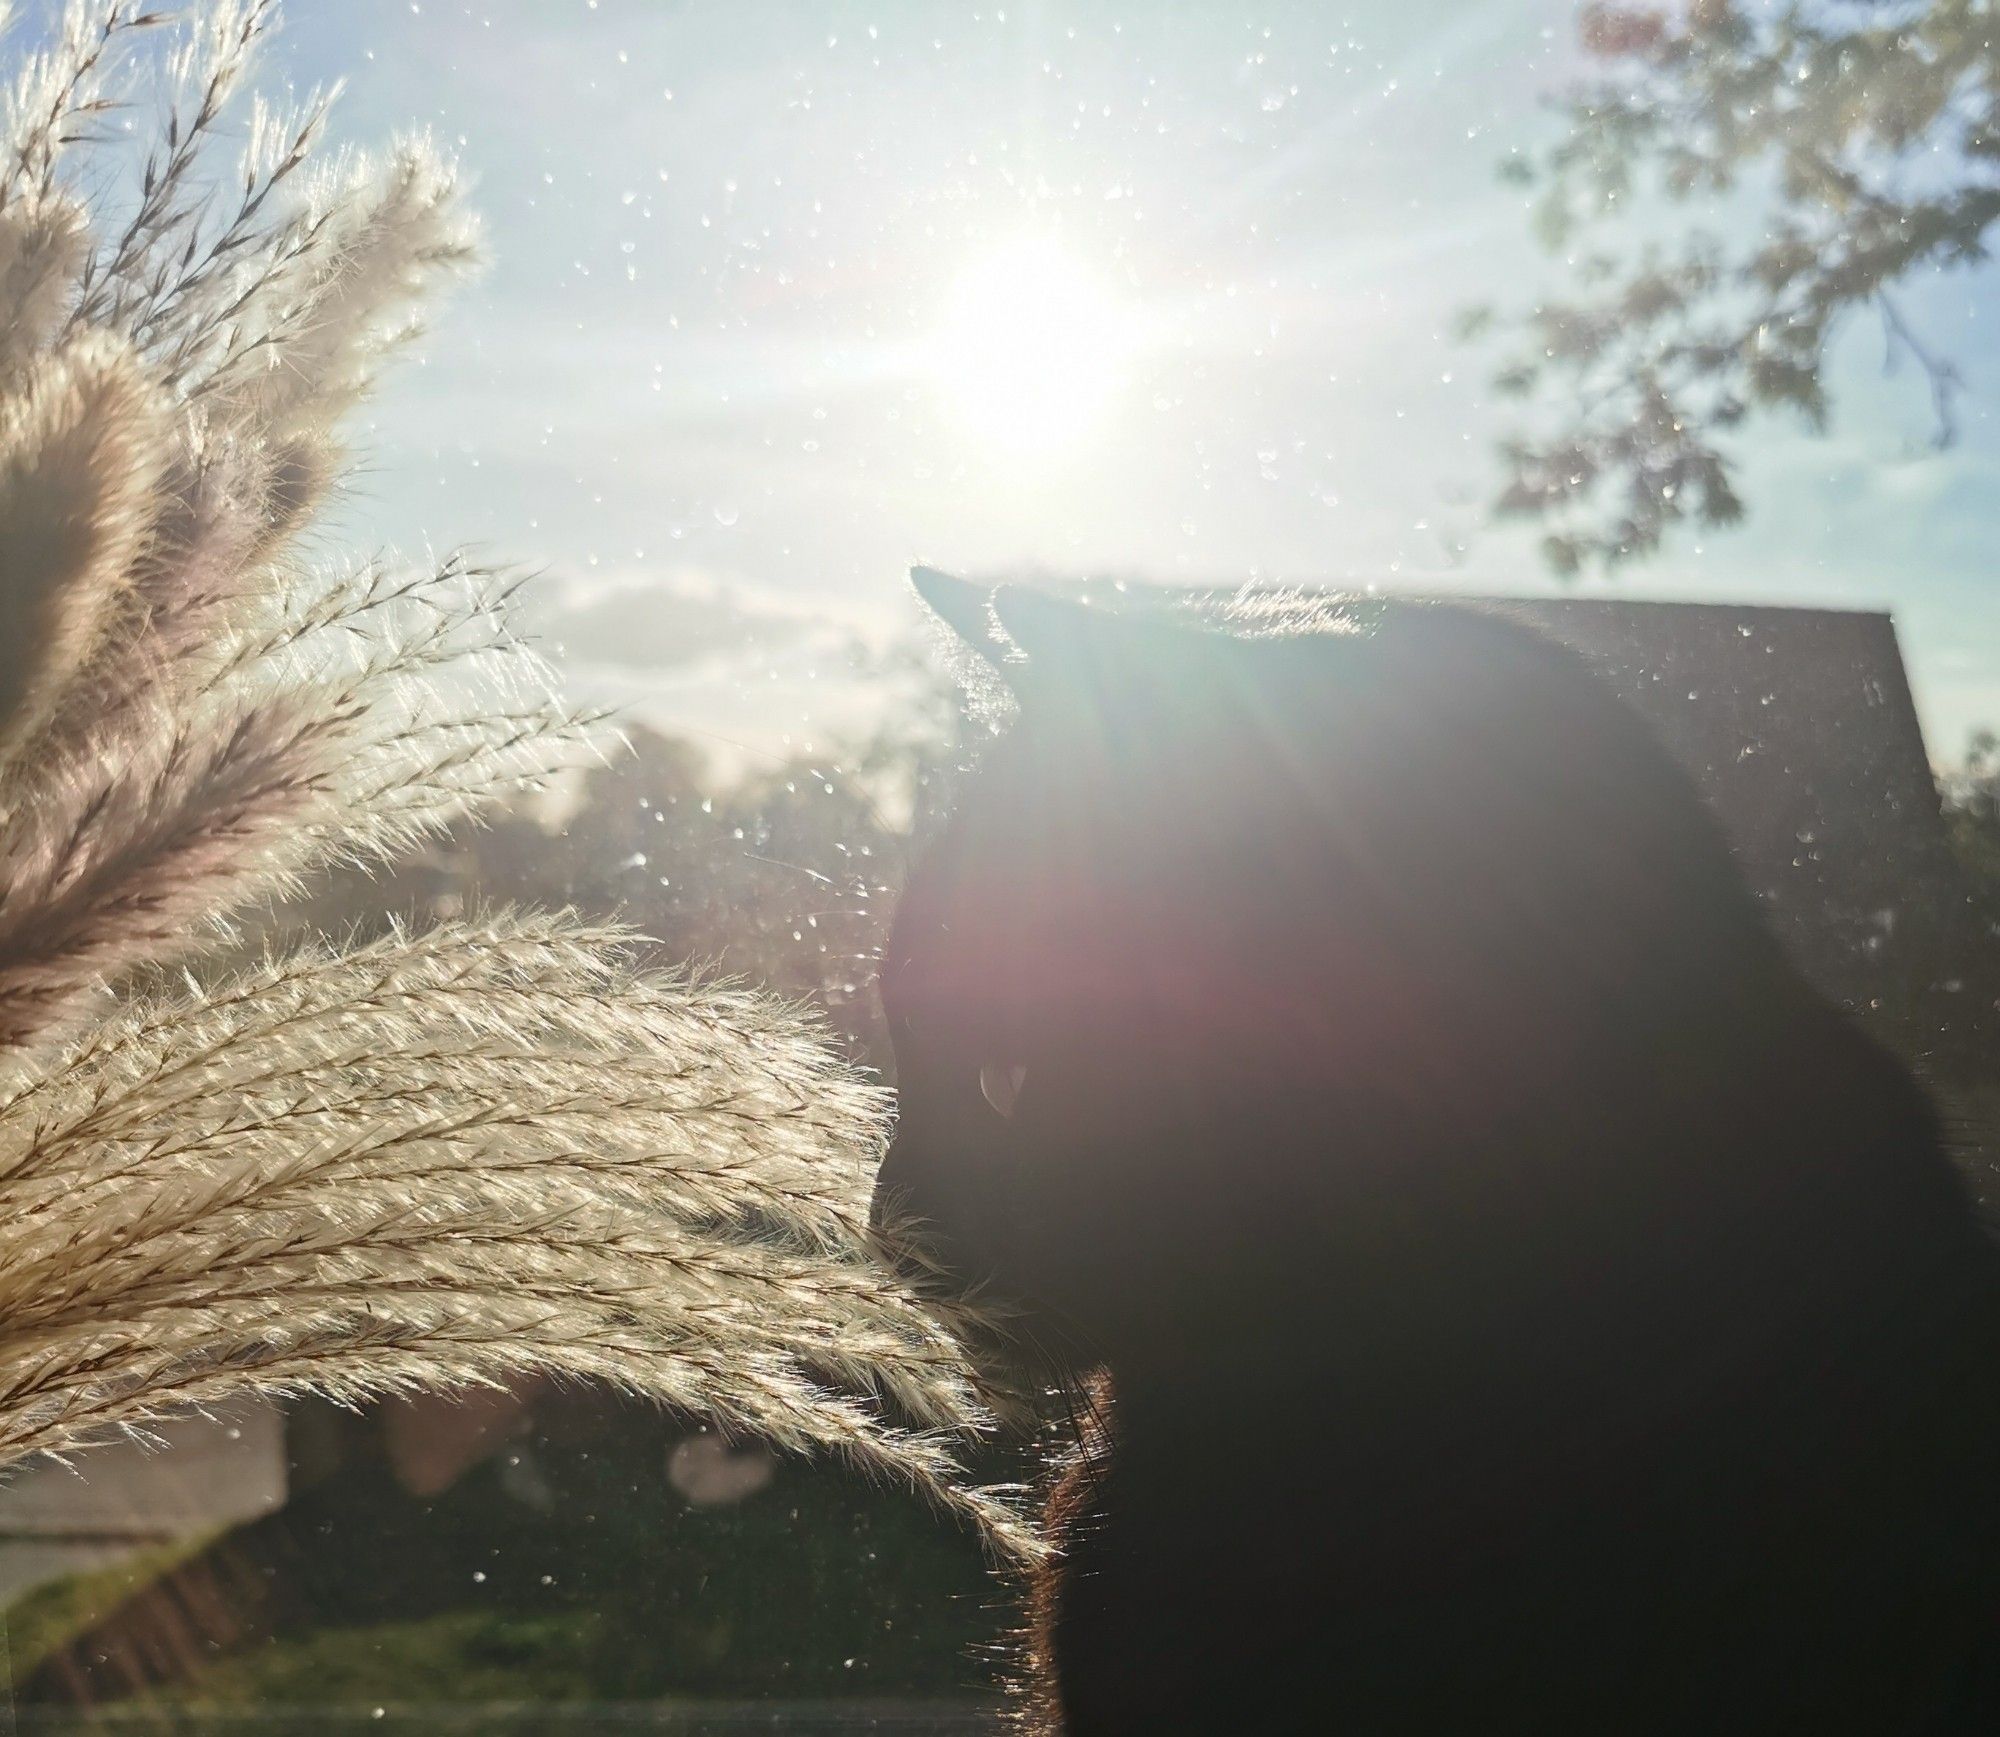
[1510,1299]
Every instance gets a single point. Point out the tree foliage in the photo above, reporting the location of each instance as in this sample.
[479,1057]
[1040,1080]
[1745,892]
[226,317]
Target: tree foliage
[1736,181]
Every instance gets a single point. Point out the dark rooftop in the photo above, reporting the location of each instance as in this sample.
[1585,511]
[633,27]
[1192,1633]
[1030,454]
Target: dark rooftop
[1799,727]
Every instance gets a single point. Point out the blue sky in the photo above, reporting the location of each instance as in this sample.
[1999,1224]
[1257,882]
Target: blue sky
[700,379]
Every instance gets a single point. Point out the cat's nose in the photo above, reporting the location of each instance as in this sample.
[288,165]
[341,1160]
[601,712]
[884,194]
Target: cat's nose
[936,1210]
[895,1211]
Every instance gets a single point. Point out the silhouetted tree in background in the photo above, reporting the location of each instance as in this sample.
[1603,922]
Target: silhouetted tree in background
[1736,181]
[1972,816]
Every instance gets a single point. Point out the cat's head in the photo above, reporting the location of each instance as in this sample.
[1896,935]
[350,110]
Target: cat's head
[1241,914]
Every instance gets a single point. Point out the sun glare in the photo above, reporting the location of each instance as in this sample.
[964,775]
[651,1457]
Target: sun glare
[1031,348]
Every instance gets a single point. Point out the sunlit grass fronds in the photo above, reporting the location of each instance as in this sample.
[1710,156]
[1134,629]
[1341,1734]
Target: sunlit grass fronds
[130,271]
[42,248]
[84,441]
[485,1153]
[189,717]
[476,1154]
[58,96]
[346,730]
[522,1032]
[305,346]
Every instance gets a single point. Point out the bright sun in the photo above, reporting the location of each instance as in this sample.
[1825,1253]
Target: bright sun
[1031,348]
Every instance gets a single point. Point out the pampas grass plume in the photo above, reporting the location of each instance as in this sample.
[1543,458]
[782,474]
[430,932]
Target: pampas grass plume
[489,1151]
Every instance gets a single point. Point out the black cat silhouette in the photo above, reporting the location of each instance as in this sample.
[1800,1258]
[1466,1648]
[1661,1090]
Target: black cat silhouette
[1505,1296]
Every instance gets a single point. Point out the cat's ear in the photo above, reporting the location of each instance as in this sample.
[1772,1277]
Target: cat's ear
[965,608]
[1048,646]
[1045,630]
[1119,663]
[1065,645]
